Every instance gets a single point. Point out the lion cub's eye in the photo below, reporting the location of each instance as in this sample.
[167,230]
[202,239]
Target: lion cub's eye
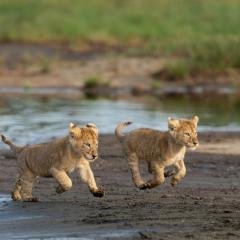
[87,145]
[187,134]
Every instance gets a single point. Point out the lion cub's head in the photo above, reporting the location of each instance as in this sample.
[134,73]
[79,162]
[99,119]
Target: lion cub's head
[184,132]
[84,140]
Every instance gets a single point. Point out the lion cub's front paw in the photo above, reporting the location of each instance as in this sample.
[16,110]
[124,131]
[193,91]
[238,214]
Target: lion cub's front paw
[16,196]
[168,173]
[31,199]
[145,185]
[174,181]
[60,189]
[98,193]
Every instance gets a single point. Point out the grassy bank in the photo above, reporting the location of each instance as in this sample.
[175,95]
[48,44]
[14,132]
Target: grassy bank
[206,32]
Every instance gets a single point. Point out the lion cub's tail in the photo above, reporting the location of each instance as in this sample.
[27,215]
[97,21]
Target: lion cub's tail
[118,129]
[13,147]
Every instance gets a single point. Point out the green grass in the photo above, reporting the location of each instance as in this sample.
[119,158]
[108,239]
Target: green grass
[200,30]
[94,82]
[209,58]
[154,21]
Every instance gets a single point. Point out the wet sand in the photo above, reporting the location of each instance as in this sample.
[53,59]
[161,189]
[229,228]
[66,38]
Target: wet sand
[205,205]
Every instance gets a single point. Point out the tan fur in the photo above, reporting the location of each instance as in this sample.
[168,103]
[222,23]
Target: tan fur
[159,149]
[56,159]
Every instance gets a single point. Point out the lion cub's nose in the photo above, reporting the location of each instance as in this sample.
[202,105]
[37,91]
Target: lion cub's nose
[94,156]
[195,143]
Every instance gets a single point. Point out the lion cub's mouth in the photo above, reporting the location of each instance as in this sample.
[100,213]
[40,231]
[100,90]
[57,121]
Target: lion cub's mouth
[192,147]
[90,159]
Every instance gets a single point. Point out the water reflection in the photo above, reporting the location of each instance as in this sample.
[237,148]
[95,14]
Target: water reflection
[30,119]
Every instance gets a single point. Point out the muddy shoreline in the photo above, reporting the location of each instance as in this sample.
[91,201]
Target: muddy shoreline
[205,205]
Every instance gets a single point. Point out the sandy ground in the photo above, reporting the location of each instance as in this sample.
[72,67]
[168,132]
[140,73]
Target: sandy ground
[205,205]
[118,71]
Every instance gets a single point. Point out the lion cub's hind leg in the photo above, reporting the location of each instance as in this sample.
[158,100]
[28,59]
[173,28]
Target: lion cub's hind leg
[16,196]
[25,184]
[150,167]
[133,163]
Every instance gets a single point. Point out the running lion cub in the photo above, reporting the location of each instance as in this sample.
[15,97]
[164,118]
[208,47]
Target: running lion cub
[159,149]
[56,159]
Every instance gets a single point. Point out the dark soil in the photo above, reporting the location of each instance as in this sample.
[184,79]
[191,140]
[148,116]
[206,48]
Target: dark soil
[205,205]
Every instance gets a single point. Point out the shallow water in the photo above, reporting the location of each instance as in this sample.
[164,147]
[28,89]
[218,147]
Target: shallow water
[35,119]
[94,235]
[4,199]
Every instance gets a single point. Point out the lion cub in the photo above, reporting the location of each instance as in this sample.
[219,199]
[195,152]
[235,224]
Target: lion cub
[55,159]
[159,149]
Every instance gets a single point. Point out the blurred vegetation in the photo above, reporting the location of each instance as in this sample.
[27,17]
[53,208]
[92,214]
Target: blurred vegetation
[210,58]
[94,82]
[206,34]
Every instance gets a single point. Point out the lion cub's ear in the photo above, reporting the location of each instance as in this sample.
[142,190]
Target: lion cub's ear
[195,120]
[172,124]
[72,128]
[93,127]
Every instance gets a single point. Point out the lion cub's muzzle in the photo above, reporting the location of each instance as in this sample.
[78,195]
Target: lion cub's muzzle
[193,145]
[91,158]
[195,142]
